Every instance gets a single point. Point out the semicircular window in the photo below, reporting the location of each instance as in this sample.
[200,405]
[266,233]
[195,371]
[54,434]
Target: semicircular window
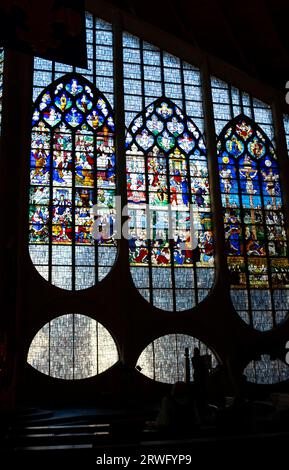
[163,360]
[267,371]
[171,241]
[72,347]
[256,243]
[72,169]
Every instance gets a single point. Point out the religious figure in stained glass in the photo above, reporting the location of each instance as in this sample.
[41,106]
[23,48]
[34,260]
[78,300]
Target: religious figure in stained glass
[169,203]
[72,168]
[255,234]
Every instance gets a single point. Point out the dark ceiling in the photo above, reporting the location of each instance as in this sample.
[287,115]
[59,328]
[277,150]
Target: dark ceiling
[250,34]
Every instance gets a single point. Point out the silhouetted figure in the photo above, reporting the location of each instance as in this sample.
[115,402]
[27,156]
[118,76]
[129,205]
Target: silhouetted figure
[200,375]
[178,412]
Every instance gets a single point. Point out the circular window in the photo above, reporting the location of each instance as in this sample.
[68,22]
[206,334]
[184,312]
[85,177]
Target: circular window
[72,347]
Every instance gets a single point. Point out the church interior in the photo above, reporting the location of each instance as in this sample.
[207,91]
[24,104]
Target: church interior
[145,281]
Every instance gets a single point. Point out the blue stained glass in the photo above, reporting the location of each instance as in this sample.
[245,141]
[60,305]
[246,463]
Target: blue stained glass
[87,70]
[133,103]
[172,75]
[236,110]
[256,177]
[42,78]
[193,93]
[132,71]
[194,109]
[260,104]
[104,68]
[74,98]
[235,96]
[247,110]
[128,117]
[104,38]
[63,67]
[105,83]
[104,53]
[220,96]
[246,99]
[42,64]
[199,123]
[133,86]
[152,73]
[101,24]
[131,56]
[89,49]
[130,41]
[192,77]
[63,101]
[151,58]
[88,20]
[173,91]
[150,47]
[74,118]
[153,89]
[74,87]
[222,111]
[286,123]
[263,116]
[89,36]
[219,124]
[171,61]
[157,134]
[217,83]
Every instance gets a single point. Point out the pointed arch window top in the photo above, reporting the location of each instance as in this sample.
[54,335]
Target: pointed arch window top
[71,101]
[165,128]
[254,223]
[72,168]
[243,138]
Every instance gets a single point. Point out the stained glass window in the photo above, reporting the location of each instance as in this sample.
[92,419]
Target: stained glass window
[171,241]
[255,234]
[1,81]
[73,166]
[72,347]
[164,359]
[266,371]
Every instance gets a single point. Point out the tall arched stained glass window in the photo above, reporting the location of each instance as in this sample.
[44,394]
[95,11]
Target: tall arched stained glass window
[72,168]
[266,371]
[72,347]
[1,81]
[171,243]
[163,360]
[255,235]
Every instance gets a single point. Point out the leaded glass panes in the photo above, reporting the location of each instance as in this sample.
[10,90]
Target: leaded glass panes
[169,175]
[163,360]
[229,102]
[72,168]
[267,371]
[100,61]
[255,235]
[72,347]
[73,165]
[169,207]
